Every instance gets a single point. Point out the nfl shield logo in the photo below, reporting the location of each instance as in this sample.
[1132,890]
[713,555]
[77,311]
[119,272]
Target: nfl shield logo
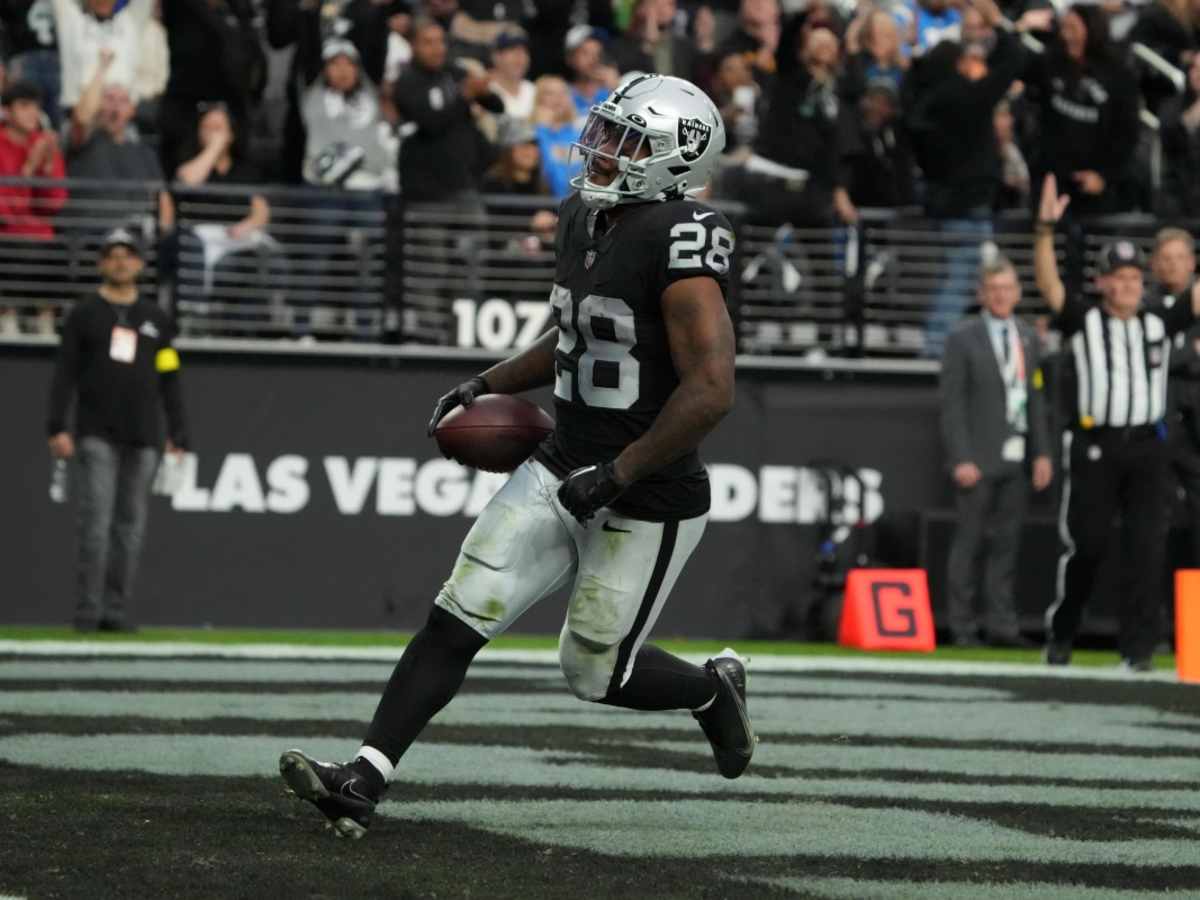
[589,258]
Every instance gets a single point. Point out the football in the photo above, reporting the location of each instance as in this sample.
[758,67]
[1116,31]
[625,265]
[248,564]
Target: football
[496,433]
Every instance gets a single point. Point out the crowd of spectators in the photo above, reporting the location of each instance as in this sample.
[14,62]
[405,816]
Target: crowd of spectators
[831,106]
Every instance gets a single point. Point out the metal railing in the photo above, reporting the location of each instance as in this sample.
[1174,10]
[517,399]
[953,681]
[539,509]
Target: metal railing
[337,266]
[48,259]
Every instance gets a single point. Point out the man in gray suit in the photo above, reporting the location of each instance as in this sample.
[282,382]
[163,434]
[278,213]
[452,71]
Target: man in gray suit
[996,436]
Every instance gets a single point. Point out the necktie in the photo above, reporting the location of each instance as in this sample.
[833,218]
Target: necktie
[1004,341]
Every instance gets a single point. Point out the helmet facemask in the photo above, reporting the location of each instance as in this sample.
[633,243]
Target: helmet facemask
[610,143]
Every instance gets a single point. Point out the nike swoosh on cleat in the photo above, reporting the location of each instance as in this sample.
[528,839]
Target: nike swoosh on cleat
[608,527]
[700,216]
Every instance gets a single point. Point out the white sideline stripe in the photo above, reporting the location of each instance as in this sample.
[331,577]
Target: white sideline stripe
[760,662]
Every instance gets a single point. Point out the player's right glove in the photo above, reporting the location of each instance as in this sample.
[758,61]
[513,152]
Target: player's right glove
[463,395]
[589,488]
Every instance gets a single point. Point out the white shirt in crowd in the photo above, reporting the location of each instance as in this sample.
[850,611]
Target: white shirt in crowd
[520,104]
[154,65]
[81,37]
[399,55]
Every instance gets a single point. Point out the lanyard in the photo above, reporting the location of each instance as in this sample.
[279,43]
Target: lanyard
[1012,370]
[1012,373]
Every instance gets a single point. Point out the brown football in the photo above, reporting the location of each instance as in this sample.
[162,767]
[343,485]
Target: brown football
[496,433]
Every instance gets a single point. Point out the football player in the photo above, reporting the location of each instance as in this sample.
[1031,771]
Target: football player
[616,499]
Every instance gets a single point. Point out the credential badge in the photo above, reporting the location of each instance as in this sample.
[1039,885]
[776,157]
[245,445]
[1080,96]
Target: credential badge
[588,258]
[694,136]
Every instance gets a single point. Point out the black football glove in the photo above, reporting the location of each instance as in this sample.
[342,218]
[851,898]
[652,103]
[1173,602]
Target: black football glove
[588,489]
[463,395]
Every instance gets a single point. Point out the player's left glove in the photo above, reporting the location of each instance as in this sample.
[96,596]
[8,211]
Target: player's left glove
[588,489]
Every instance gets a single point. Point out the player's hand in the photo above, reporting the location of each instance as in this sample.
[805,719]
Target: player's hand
[588,489]
[463,395]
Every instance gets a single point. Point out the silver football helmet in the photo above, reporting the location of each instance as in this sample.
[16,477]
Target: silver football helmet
[657,136]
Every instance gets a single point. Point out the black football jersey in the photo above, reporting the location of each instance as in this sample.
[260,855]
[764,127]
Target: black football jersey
[613,366]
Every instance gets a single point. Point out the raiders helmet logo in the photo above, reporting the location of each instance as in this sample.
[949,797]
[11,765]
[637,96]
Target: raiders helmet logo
[694,136]
[588,258]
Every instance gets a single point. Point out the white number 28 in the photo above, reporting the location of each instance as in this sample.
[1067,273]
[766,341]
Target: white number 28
[688,240]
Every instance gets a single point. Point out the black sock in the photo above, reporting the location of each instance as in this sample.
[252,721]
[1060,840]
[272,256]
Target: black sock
[425,679]
[662,681]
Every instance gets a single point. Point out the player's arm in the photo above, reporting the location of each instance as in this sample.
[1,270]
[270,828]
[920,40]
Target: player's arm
[532,368]
[700,336]
[1045,266]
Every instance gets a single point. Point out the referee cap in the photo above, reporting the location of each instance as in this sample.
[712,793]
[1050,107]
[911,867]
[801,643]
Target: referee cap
[1118,254]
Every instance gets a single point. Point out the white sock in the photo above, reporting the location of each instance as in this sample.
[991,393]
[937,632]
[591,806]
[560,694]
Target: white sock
[378,761]
[706,705]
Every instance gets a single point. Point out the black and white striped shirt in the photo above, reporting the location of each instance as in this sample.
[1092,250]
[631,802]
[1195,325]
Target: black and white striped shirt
[1120,364]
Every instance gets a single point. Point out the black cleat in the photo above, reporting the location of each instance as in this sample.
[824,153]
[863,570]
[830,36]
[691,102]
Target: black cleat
[1057,653]
[333,788]
[1139,665]
[726,723]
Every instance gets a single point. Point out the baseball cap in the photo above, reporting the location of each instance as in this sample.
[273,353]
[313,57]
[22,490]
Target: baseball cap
[120,237]
[1117,255]
[338,47]
[512,37]
[882,84]
[578,34]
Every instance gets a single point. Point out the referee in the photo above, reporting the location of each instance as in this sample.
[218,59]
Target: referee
[1115,457]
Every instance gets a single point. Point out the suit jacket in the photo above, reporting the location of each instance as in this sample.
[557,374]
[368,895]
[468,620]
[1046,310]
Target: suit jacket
[974,399]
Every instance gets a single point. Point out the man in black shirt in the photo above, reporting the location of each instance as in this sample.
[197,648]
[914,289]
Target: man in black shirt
[117,359]
[951,122]
[215,57]
[443,160]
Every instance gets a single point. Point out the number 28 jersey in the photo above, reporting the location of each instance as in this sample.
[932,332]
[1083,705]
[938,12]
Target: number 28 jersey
[613,365]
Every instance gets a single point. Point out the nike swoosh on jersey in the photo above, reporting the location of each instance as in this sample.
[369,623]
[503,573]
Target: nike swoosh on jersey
[607,527]
[699,216]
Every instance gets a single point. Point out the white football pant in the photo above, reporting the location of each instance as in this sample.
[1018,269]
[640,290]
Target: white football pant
[525,545]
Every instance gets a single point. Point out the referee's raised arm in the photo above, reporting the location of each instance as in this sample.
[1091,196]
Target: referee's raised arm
[1045,266]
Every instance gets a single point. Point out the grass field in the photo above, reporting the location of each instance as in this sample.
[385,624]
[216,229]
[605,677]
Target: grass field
[125,774]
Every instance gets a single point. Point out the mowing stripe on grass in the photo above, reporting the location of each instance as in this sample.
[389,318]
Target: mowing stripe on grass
[475,765]
[1029,762]
[764,662]
[894,718]
[865,889]
[245,671]
[702,828]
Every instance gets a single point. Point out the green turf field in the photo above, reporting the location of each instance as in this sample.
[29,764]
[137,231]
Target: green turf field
[133,775]
[529,642]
